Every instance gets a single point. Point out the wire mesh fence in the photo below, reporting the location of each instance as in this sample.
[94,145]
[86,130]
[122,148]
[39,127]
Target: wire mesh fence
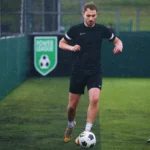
[9,17]
[46,16]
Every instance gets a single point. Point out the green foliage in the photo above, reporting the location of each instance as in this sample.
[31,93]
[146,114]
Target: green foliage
[127,8]
[11,6]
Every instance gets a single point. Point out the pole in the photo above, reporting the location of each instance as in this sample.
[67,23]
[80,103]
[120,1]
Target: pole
[21,16]
[26,17]
[43,15]
[137,19]
[58,15]
[0,18]
[82,2]
[117,21]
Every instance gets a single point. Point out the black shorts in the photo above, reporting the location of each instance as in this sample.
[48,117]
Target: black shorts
[78,82]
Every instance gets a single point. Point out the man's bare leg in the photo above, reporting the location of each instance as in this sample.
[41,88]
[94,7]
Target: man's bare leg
[94,94]
[71,113]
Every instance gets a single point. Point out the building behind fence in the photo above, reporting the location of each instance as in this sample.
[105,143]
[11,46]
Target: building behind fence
[46,16]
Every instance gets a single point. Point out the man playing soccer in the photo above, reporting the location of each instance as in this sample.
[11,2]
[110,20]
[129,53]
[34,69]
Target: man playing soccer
[86,70]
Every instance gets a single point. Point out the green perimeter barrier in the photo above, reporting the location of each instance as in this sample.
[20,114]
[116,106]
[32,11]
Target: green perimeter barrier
[134,61]
[14,54]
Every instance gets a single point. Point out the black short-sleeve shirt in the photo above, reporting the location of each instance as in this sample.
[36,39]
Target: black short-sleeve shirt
[90,41]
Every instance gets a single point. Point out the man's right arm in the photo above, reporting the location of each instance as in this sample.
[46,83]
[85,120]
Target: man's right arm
[63,44]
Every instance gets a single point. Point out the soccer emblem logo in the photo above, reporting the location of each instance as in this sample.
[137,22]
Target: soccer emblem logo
[44,62]
[45,54]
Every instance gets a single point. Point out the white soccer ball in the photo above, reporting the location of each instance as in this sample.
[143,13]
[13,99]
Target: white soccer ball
[44,62]
[87,139]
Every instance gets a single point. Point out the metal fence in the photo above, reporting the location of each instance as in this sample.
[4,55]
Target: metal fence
[47,16]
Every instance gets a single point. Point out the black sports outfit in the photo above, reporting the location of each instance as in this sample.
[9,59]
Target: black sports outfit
[86,69]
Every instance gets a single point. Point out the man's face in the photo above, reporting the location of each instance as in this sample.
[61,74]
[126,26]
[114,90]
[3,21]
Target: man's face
[89,17]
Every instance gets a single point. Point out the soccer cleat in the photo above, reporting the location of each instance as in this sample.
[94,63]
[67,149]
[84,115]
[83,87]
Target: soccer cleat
[77,141]
[68,133]
[148,141]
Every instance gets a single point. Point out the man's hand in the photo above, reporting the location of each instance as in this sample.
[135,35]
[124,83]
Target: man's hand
[63,44]
[118,45]
[75,48]
[117,49]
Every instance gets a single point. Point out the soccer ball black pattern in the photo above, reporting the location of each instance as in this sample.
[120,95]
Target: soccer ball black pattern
[44,62]
[87,139]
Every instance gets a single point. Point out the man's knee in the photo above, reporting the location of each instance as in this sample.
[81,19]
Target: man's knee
[94,100]
[94,94]
[71,108]
[73,101]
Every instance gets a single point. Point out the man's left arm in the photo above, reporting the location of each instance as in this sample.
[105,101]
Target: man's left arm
[118,45]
